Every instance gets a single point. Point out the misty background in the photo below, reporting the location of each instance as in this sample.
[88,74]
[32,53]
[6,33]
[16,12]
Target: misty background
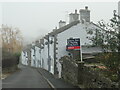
[35,19]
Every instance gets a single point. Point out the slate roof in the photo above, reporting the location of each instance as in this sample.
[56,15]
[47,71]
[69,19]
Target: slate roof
[64,28]
[38,45]
[42,41]
[46,36]
[97,26]
[57,31]
[27,48]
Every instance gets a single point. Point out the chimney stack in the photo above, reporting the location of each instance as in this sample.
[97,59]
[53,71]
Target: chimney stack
[33,43]
[73,17]
[55,29]
[85,14]
[36,42]
[62,23]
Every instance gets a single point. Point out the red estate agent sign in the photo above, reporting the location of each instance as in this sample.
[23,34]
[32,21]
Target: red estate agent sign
[73,44]
[74,47]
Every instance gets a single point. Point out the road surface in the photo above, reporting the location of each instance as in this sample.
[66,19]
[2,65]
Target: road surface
[25,78]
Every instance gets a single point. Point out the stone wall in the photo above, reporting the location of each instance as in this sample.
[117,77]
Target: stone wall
[69,70]
[94,79]
[79,74]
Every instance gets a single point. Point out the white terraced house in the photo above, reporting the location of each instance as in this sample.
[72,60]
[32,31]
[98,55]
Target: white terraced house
[53,46]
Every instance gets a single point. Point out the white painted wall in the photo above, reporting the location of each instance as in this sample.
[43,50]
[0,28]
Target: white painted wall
[77,31]
[41,55]
[26,58]
[23,58]
[42,61]
[32,57]
[52,54]
[37,55]
[45,57]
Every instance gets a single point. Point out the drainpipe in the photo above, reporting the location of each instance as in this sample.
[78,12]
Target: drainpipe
[49,55]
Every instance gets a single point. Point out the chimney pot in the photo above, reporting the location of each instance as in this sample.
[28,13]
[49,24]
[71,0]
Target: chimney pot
[86,7]
[75,10]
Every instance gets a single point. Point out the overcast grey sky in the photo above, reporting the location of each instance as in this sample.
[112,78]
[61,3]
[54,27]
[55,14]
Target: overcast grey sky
[36,19]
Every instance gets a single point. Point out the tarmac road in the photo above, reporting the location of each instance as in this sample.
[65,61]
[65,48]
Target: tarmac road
[25,78]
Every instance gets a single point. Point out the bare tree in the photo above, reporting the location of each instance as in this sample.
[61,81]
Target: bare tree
[11,39]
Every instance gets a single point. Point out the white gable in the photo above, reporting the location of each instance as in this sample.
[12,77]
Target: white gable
[77,31]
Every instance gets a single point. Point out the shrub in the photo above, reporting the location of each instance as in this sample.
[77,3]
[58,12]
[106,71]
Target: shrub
[112,62]
[9,60]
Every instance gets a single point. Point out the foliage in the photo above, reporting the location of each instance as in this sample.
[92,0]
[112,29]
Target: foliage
[18,54]
[108,37]
[110,60]
[11,46]
[11,39]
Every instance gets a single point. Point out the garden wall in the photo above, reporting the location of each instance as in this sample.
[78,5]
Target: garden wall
[79,74]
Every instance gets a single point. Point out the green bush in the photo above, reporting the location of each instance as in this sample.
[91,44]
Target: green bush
[114,77]
[18,54]
[9,61]
[112,62]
